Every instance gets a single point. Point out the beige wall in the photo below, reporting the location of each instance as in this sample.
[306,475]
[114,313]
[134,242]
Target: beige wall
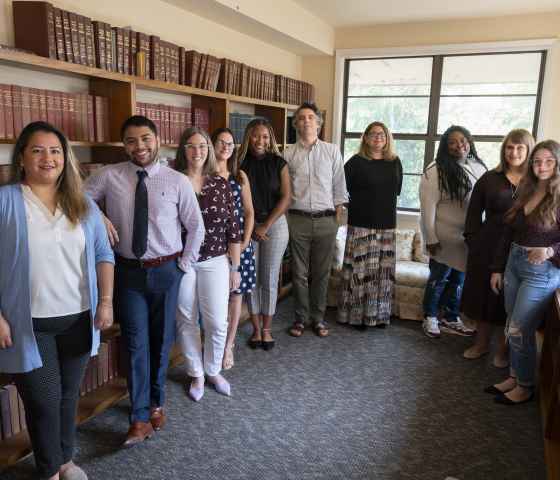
[320,70]
[175,25]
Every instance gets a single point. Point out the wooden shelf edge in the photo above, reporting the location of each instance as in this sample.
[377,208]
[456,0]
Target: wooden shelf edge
[29,59]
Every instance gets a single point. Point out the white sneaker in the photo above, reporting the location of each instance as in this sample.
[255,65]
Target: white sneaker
[430,325]
[457,328]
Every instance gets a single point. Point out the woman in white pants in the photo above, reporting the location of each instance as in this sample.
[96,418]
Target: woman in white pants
[205,288]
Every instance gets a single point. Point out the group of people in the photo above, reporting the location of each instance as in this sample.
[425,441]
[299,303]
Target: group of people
[184,245]
[173,250]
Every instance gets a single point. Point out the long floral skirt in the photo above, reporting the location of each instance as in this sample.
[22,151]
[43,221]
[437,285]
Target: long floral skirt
[368,277]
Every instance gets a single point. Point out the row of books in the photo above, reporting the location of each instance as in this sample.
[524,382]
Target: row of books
[238,123]
[172,121]
[55,33]
[101,369]
[80,116]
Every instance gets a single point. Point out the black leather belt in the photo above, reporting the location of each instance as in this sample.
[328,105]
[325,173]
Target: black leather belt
[321,214]
[148,263]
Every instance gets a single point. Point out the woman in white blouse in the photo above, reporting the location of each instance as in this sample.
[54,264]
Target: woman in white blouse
[54,260]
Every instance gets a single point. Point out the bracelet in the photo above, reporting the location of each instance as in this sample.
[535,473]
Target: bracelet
[550,255]
[235,268]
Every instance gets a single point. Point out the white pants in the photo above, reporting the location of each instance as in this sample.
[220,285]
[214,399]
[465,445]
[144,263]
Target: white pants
[204,289]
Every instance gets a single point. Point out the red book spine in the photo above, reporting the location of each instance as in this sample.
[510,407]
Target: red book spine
[74,32]
[181,66]
[106,133]
[34,94]
[43,105]
[8,111]
[167,122]
[34,28]
[90,119]
[99,39]
[163,62]
[133,51]
[90,42]
[155,68]
[126,50]
[67,30]
[66,119]
[17,110]
[109,57]
[58,110]
[72,132]
[82,39]
[51,113]
[157,119]
[59,34]
[2,115]
[97,108]
[85,117]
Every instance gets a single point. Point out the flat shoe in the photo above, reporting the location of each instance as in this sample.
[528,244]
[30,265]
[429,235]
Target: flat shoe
[73,473]
[267,344]
[499,362]
[474,354]
[221,385]
[196,392]
[492,390]
[502,399]
[321,331]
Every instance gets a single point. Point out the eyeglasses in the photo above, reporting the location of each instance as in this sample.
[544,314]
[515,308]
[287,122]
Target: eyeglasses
[195,146]
[376,135]
[225,144]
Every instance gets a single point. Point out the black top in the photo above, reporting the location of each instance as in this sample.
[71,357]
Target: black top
[525,232]
[373,187]
[265,179]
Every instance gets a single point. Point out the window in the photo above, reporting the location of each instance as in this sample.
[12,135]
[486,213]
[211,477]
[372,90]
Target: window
[418,98]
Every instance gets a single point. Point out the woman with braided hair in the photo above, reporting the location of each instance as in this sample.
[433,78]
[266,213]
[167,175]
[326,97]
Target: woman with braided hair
[445,190]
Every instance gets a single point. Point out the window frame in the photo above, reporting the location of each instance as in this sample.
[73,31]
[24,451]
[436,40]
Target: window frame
[437,53]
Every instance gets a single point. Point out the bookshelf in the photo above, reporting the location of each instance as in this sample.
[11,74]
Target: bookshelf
[123,92]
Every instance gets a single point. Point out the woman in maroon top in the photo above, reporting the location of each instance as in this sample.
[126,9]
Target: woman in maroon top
[532,273]
[205,288]
[493,195]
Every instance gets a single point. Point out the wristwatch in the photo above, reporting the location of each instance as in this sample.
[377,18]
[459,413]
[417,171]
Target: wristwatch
[234,268]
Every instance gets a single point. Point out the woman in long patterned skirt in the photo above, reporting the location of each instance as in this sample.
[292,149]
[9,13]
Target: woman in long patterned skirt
[374,180]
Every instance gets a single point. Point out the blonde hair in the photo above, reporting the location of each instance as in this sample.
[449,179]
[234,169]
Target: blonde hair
[257,122]
[519,136]
[69,186]
[210,164]
[388,149]
[545,212]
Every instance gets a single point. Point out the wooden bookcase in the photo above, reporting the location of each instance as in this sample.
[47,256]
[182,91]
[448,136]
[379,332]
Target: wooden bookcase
[121,90]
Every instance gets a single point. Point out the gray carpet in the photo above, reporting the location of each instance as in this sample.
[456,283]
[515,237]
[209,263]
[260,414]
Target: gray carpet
[379,404]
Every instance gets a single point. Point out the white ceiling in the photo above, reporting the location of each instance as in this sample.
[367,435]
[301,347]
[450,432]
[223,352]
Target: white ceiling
[346,13]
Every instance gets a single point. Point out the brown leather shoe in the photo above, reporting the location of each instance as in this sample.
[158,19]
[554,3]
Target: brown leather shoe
[157,418]
[137,433]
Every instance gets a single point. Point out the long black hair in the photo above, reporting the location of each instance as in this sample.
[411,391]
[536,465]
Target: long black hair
[453,179]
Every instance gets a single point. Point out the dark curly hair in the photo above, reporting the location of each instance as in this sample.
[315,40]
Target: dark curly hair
[453,179]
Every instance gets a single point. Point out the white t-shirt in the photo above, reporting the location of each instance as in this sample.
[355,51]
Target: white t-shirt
[57,263]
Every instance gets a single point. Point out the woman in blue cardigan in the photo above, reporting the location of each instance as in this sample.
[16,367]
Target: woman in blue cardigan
[56,289]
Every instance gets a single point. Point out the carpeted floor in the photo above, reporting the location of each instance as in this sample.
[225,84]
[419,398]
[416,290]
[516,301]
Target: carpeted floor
[379,404]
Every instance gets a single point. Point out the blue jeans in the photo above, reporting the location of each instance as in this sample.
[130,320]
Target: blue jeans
[528,291]
[147,304]
[443,291]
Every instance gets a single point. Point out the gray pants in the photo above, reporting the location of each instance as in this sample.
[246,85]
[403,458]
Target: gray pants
[312,242]
[268,259]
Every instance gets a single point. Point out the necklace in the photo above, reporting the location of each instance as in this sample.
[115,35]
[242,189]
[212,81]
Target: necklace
[513,189]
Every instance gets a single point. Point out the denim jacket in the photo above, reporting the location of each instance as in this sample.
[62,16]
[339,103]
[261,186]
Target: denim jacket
[15,299]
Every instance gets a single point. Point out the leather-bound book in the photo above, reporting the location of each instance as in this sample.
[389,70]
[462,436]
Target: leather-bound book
[17,110]
[109,48]
[82,39]
[67,30]
[99,41]
[34,27]
[75,35]
[126,50]
[90,42]
[59,35]
[6,99]
[155,68]
[90,119]
[133,45]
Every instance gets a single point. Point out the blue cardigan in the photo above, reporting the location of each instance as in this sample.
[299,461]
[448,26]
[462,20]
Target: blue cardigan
[15,297]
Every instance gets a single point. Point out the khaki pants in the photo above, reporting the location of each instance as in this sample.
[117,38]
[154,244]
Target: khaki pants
[312,242]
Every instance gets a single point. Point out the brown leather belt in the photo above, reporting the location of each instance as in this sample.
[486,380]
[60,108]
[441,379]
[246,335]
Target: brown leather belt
[324,213]
[148,263]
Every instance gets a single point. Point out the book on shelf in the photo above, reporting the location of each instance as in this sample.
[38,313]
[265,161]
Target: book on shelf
[133,50]
[34,27]
[82,39]
[155,68]
[126,50]
[59,35]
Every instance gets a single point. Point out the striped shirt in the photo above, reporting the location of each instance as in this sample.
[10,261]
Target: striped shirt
[171,203]
[317,176]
